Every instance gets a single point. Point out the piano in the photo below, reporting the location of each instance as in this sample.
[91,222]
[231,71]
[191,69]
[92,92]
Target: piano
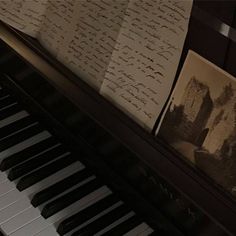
[73,164]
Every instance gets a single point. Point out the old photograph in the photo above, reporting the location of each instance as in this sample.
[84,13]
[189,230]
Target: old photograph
[200,120]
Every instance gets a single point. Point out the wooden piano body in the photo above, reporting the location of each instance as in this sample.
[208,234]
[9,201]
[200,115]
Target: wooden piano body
[151,176]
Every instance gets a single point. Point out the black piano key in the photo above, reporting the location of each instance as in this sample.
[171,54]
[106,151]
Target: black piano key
[4,102]
[59,187]
[27,153]
[36,162]
[86,214]
[69,198]
[20,136]
[103,221]
[6,112]
[45,171]
[156,234]
[125,226]
[15,126]
[3,93]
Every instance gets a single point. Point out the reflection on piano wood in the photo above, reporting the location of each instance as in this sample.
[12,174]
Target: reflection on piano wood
[137,168]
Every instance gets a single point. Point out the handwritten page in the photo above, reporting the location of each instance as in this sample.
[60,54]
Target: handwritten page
[24,15]
[145,59]
[88,49]
[57,25]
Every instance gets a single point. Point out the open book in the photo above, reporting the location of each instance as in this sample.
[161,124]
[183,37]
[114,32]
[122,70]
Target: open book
[128,50]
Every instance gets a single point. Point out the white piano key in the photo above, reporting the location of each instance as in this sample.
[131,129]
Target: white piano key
[20,220]
[49,231]
[9,198]
[141,230]
[32,228]
[13,118]
[114,224]
[79,205]
[148,231]
[14,209]
[6,187]
[3,177]
[52,179]
[24,144]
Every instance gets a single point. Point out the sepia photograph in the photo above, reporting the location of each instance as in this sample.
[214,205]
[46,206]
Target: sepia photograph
[200,120]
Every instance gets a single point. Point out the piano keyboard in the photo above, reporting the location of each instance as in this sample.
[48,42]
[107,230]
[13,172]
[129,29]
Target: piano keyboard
[45,190]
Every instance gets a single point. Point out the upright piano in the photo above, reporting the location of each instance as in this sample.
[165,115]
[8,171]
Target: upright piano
[73,164]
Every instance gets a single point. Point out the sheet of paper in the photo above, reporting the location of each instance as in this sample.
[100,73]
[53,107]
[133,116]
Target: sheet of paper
[88,48]
[24,15]
[57,25]
[82,34]
[143,65]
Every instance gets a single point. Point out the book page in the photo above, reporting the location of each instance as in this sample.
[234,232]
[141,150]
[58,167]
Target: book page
[146,56]
[82,34]
[200,119]
[24,15]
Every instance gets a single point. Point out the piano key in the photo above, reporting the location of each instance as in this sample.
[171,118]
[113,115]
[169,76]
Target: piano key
[49,231]
[9,198]
[6,101]
[79,205]
[32,228]
[12,110]
[142,230]
[22,135]
[13,118]
[63,173]
[20,220]
[24,144]
[109,209]
[3,96]
[103,221]
[14,209]
[3,177]
[115,224]
[45,171]
[27,153]
[8,106]
[89,199]
[125,226]
[36,162]
[41,206]
[5,187]
[86,214]
[16,126]
[69,198]
[59,187]
[3,93]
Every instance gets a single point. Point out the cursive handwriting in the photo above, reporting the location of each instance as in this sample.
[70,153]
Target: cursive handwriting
[149,47]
